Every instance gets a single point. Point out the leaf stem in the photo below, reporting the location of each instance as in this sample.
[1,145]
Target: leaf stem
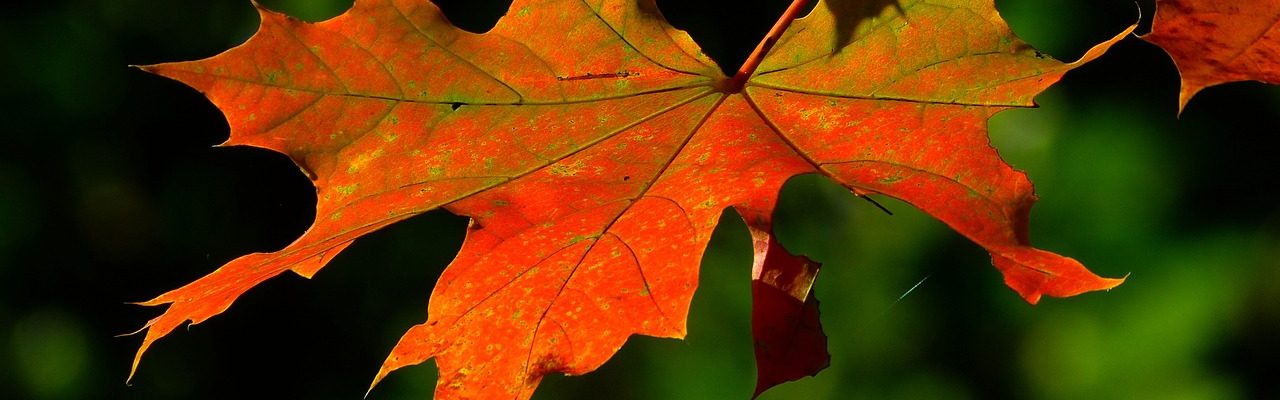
[749,67]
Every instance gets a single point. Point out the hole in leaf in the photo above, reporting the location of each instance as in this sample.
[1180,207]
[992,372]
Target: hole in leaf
[727,30]
[475,16]
[455,106]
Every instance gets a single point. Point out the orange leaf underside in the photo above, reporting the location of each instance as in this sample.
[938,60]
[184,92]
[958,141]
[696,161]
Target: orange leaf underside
[1214,42]
[594,149]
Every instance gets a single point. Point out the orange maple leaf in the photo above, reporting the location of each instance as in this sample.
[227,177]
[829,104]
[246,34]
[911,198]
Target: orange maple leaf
[595,147]
[1214,42]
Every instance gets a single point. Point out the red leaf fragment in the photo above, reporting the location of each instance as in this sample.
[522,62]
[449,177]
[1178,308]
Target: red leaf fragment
[789,341]
[1214,42]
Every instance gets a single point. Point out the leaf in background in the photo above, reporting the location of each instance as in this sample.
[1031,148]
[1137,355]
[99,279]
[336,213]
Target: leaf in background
[595,147]
[1214,42]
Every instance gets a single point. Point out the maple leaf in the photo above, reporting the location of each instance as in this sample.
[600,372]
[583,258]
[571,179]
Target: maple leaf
[1214,42]
[594,148]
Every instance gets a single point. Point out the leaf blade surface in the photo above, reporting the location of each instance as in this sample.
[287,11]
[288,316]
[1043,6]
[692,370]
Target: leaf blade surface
[1215,42]
[594,148]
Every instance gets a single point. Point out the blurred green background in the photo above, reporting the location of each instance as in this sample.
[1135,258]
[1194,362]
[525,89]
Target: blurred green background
[110,192]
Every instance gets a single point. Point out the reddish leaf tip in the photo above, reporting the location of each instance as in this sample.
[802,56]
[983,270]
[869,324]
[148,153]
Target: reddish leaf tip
[1034,273]
[382,373]
[150,68]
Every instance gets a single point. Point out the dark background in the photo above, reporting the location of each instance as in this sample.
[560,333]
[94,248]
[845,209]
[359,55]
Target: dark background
[110,192]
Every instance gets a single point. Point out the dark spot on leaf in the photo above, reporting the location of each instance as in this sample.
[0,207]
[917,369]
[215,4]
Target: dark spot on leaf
[455,106]
[592,75]
[545,365]
[626,178]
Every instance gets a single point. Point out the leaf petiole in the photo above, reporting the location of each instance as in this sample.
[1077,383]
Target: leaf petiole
[735,84]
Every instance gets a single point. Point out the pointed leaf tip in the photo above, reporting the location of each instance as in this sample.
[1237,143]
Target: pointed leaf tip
[1034,273]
